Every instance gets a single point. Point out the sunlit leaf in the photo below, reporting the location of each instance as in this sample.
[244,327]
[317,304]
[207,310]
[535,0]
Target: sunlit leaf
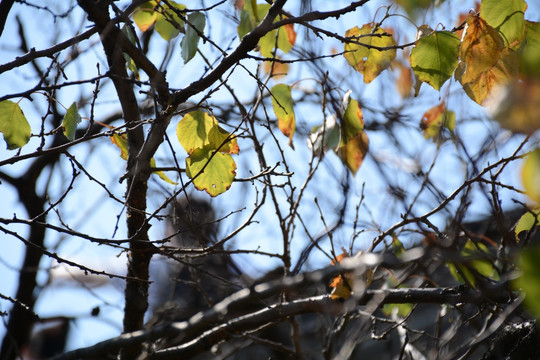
[527,222]
[286,38]
[353,152]
[219,170]
[120,140]
[485,63]
[282,103]
[190,41]
[435,119]
[161,174]
[481,87]
[354,140]
[530,175]
[341,284]
[435,57]
[198,129]
[529,281]
[70,122]
[145,16]
[369,61]
[168,23]
[481,46]
[13,125]
[530,51]
[507,17]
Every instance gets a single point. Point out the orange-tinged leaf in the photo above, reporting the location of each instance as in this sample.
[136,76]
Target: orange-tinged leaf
[145,15]
[340,257]
[282,103]
[341,284]
[369,61]
[481,46]
[277,69]
[479,86]
[353,152]
[120,140]
[286,38]
[354,140]
[404,81]
[435,119]
[291,34]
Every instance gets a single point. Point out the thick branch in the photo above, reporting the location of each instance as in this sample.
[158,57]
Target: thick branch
[141,250]
[210,327]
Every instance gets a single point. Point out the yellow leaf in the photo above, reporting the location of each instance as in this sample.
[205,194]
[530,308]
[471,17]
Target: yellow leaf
[198,129]
[530,175]
[120,140]
[369,61]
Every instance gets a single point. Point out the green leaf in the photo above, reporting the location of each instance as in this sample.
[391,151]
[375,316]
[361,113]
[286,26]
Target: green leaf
[527,222]
[413,6]
[191,38]
[13,125]
[530,51]
[353,120]
[70,122]
[198,129]
[476,259]
[435,57]
[130,63]
[530,175]
[245,25]
[218,174]
[529,281]
[369,61]
[283,108]
[168,23]
[507,17]
[402,309]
